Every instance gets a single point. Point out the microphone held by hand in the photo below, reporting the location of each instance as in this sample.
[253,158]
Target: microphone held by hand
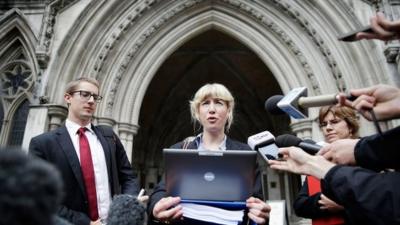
[287,140]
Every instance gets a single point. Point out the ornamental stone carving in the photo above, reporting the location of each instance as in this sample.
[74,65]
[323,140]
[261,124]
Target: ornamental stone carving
[16,77]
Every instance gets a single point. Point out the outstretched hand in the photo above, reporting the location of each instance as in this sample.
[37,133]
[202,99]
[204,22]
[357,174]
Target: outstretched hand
[295,160]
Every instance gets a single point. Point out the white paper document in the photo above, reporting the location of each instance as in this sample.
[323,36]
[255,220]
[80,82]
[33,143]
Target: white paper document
[212,214]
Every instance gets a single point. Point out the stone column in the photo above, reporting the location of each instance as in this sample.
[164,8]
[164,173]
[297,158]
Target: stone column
[126,133]
[57,115]
[302,129]
[106,121]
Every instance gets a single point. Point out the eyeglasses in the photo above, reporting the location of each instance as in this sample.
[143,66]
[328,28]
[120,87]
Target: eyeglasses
[333,122]
[85,95]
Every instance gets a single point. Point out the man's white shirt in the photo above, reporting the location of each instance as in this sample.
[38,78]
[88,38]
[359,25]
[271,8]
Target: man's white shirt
[99,165]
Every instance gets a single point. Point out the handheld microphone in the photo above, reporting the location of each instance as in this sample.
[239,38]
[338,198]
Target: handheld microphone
[126,210]
[287,140]
[296,102]
[264,143]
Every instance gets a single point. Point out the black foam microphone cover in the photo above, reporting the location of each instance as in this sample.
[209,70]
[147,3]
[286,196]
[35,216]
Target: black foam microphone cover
[271,105]
[287,140]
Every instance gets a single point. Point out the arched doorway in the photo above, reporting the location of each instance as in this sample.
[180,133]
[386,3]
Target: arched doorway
[209,57]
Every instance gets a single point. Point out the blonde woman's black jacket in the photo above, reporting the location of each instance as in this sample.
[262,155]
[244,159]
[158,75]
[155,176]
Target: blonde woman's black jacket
[159,191]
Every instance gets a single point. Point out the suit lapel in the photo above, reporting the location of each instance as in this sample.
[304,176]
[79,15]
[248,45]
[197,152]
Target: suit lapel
[66,145]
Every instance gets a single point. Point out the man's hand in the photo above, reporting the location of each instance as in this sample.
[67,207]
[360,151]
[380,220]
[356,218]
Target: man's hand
[340,151]
[295,160]
[384,99]
[143,198]
[97,222]
[327,204]
[383,28]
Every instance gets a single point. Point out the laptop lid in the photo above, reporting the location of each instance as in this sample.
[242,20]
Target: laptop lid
[210,175]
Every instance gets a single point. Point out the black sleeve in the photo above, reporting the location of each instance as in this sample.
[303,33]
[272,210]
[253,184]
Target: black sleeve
[307,206]
[157,195]
[378,152]
[366,195]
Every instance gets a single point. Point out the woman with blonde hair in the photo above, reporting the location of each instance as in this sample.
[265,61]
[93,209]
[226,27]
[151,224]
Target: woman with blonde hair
[212,107]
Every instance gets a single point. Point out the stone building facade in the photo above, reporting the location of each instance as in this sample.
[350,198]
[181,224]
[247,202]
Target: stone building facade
[152,55]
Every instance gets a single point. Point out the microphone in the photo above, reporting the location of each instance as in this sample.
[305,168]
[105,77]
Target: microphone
[264,143]
[126,210]
[296,102]
[271,105]
[287,140]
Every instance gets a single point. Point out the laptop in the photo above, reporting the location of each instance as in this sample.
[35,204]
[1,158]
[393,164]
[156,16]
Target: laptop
[210,175]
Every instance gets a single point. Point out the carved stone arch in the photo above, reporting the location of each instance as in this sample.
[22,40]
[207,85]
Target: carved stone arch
[122,51]
[15,29]
[18,65]
[291,62]
[356,63]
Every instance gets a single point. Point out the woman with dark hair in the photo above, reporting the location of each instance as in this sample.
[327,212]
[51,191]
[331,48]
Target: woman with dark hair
[336,122]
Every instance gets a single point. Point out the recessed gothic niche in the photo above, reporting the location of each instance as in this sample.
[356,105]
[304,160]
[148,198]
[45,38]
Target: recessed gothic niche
[209,57]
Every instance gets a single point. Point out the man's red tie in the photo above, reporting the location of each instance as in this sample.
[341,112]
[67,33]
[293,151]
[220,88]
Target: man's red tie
[88,173]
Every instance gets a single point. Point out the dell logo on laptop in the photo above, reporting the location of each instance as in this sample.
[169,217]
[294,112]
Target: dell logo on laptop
[209,176]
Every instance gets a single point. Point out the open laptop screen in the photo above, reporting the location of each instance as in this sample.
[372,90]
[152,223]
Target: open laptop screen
[210,175]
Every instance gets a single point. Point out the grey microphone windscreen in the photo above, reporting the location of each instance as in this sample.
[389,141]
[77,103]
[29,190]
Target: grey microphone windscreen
[126,210]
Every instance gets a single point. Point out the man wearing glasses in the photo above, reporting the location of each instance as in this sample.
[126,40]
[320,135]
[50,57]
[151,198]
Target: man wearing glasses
[91,159]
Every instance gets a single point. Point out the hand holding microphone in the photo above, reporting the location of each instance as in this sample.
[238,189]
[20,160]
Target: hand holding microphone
[287,140]
[383,99]
[298,161]
[296,102]
[340,151]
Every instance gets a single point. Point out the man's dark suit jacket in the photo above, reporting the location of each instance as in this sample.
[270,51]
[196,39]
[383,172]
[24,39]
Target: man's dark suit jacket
[56,147]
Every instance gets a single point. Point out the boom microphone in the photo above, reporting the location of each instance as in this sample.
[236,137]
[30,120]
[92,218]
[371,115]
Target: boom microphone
[287,140]
[264,143]
[126,210]
[271,105]
[296,102]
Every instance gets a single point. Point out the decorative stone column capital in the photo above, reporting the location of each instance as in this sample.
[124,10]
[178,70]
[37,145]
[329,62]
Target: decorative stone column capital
[106,121]
[302,128]
[57,110]
[128,128]
[391,53]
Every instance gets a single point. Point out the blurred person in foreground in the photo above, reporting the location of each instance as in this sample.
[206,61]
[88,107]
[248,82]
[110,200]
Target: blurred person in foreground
[30,190]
